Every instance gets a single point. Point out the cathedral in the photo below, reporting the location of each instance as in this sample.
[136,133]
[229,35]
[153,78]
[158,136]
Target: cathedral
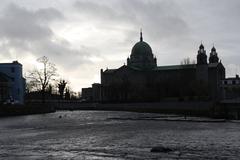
[141,80]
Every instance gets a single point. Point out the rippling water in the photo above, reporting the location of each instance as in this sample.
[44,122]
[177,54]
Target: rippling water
[115,135]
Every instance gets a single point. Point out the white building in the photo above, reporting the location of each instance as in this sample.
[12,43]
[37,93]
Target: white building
[17,85]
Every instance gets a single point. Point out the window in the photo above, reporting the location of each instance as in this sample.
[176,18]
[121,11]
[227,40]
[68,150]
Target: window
[12,69]
[233,82]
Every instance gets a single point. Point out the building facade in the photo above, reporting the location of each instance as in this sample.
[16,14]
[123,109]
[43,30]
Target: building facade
[5,87]
[92,94]
[142,80]
[231,88]
[12,83]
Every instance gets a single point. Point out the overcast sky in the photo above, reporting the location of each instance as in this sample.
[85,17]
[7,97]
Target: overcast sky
[83,36]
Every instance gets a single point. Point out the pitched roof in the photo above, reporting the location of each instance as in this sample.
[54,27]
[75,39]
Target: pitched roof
[162,68]
[176,67]
[110,70]
[122,67]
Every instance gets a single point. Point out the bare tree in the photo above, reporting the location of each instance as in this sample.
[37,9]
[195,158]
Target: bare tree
[43,77]
[187,61]
[67,94]
[31,86]
[61,87]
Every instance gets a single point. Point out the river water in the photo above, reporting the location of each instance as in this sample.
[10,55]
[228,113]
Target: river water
[116,135]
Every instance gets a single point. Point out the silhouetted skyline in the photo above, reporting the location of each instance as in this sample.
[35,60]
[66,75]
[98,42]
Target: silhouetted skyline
[81,37]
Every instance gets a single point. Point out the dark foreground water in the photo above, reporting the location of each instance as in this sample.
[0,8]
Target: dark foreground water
[115,135]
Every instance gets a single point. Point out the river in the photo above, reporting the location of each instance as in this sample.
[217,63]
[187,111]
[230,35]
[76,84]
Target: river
[109,135]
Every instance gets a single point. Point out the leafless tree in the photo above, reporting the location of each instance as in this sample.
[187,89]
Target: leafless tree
[187,61]
[67,94]
[43,77]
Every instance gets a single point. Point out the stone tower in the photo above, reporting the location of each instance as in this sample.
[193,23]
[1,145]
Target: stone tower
[213,56]
[202,66]
[201,56]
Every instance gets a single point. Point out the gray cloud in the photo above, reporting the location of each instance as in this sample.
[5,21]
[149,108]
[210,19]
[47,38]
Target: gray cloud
[160,19]
[20,24]
[173,28]
[28,31]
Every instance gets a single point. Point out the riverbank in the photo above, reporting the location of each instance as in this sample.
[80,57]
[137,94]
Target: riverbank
[194,108]
[17,110]
[181,108]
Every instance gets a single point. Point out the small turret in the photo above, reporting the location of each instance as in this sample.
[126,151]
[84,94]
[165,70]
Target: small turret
[213,49]
[155,60]
[128,61]
[201,46]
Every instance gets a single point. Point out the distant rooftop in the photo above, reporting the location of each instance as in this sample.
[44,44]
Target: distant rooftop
[170,67]
[14,62]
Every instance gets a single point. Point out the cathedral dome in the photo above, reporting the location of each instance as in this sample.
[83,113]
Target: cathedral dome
[141,49]
[141,56]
